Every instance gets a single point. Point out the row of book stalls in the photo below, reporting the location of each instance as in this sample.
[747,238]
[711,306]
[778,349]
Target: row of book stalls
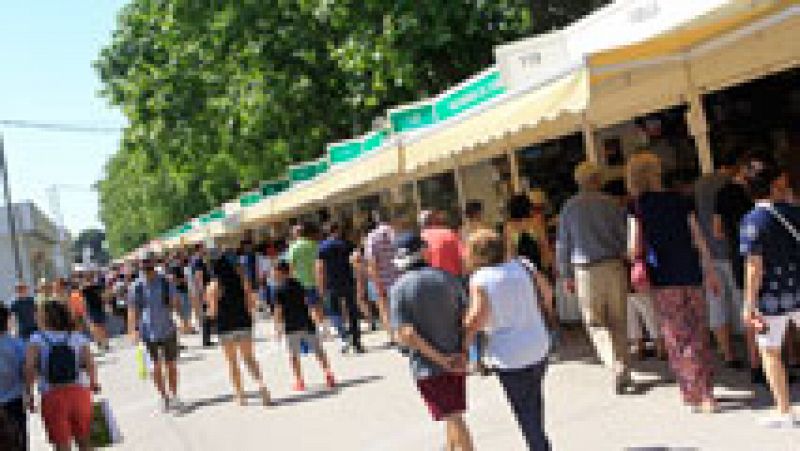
[684,79]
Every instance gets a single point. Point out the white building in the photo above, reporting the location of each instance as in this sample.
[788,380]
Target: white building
[44,248]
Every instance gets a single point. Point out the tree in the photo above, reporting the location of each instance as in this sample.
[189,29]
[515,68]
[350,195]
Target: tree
[221,95]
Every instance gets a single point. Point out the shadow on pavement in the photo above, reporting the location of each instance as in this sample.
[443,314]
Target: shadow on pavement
[311,395]
[574,347]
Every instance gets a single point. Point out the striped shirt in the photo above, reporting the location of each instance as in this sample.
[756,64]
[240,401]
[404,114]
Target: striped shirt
[380,249]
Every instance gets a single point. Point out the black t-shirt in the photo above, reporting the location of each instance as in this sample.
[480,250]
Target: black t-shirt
[232,312]
[732,204]
[335,253]
[93,296]
[291,297]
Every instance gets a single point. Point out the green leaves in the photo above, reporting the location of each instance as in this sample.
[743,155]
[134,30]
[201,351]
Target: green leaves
[222,95]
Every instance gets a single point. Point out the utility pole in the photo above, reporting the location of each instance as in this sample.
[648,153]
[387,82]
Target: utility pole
[10,216]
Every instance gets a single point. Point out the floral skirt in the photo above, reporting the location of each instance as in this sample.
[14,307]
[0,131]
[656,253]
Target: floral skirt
[682,313]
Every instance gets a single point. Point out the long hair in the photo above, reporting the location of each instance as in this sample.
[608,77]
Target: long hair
[225,271]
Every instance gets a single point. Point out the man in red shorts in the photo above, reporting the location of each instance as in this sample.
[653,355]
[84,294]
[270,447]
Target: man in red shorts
[427,307]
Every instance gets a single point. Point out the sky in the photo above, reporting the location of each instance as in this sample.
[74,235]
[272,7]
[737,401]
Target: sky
[46,52]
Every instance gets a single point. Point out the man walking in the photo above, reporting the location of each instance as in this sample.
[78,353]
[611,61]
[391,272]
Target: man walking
[152,304]
[590,249]
[23,307]
[379,252]
[427,306]
[336,283]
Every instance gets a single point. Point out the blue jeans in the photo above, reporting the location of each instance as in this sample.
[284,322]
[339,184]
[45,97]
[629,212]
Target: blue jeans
[523,389]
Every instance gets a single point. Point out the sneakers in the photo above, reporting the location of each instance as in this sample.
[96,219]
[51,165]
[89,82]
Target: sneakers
[622,382]
[176,405]
[329,380]
[779,421]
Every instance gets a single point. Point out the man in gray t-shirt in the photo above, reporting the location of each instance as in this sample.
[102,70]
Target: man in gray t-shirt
[153,302]
[427,307]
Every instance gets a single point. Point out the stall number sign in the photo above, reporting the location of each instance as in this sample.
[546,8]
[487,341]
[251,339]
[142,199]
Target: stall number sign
[469,96]
[412,118]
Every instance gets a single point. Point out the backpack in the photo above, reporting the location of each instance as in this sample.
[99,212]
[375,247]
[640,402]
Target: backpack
[62,363]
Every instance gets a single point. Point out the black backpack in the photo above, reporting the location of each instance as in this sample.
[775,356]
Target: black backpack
[62,363]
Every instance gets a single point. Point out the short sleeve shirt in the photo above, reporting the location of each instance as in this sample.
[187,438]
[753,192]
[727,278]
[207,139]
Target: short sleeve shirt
[335,254]
[154,307]
[42,340]
[762,234]
[290,296]
[302,255]
[671,256]
[433,302]
[380,248]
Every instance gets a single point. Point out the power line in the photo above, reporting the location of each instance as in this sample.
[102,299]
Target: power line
[58,127]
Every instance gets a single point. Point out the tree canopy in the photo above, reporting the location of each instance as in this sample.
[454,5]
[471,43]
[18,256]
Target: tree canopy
[221,94]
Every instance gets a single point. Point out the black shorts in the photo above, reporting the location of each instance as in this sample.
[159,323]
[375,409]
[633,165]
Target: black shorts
[166,349]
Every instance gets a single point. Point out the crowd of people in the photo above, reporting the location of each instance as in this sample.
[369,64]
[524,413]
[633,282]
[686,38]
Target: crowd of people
[678,265]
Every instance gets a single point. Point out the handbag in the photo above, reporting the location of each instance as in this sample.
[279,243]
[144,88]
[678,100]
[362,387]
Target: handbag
[640,273]
[104,430]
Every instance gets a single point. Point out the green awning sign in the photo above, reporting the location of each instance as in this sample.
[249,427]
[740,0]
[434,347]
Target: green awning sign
[374,140]
[303,172]
[274,187]
[322,166]
[412,117]
[212,216]
[250,199]
[470,95]
[344,151]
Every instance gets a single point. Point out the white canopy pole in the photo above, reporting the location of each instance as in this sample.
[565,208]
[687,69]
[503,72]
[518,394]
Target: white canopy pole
[697,122]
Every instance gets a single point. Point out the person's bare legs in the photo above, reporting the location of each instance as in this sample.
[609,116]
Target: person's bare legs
[229,350]
[294,360]
[172,377]
[722,335]
[458,436]
[158,378]
[248,355]
[383,312]
[776,375]
[84,444]
[62,447]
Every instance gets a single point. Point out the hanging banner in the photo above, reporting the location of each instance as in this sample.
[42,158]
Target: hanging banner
[412,117]
[481,88]
[274,187]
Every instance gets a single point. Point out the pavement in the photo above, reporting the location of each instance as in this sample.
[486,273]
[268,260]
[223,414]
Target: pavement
[376,407]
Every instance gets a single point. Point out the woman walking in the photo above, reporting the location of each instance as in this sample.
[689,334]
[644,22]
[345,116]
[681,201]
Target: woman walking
[232,306]
[510,299]
[60,360]
[667,246]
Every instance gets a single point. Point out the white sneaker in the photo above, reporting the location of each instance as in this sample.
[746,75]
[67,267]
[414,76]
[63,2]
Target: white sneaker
[779,421]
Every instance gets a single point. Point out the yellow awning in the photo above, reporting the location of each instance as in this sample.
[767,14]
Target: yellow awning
[743,44]
[369,168]
[556,101]
[732,16]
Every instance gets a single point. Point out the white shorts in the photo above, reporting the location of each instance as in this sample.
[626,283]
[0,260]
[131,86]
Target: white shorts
[777,325]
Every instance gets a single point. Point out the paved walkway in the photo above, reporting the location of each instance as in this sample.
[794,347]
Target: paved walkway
[377,408]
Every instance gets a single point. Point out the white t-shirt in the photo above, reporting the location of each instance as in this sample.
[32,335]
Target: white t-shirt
[77,341]
[517,335]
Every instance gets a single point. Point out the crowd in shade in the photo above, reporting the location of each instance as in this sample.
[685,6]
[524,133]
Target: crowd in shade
[674,272]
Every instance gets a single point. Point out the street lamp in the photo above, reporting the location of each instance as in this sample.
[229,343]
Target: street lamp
[10,216]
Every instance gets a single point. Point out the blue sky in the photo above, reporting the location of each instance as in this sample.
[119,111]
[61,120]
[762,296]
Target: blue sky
[46,51]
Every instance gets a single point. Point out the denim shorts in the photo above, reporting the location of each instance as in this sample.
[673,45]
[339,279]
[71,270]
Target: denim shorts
[312,297]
